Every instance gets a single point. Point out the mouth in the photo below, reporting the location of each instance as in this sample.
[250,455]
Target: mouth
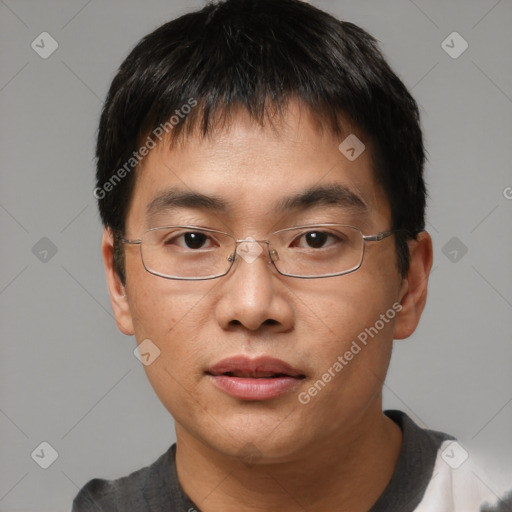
[254,379]
[255,375]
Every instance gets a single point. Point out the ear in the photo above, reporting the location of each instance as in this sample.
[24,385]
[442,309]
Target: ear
[116,289]
[413,291]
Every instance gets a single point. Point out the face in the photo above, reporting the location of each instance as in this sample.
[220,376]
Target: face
[253,314]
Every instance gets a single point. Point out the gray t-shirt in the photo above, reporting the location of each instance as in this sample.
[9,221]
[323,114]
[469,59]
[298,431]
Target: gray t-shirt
[156,488]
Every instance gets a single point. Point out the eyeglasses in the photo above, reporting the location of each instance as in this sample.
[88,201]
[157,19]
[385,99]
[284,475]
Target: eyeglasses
[306,252]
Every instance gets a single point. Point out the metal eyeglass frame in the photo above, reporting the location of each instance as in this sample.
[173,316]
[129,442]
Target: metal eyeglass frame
[232,258]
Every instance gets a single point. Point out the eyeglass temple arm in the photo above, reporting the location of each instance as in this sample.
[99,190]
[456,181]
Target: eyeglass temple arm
[378,237]
[127,241]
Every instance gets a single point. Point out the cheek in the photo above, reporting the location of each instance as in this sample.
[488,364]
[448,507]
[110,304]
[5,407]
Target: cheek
[347,305]
[159,306]
[175,326]
[350,349]
[170,314]
[358,332]
[177,317]
[175,323]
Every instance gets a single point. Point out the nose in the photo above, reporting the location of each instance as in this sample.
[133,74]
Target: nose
[253,294]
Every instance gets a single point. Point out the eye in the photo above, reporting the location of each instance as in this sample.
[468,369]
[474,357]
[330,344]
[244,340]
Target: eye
[189,240]
[315,240]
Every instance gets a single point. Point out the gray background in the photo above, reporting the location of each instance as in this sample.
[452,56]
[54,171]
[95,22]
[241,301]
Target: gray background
[70,378]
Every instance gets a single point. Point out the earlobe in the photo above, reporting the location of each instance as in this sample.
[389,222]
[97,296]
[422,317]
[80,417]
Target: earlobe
[117,291]
[413,292]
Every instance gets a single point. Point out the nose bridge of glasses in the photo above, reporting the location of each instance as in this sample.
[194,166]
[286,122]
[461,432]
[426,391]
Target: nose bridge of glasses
[249,249]
[252,240]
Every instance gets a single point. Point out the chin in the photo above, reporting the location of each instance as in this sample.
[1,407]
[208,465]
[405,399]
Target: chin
[254,444]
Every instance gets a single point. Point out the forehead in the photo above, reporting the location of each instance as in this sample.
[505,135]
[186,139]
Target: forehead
[244,170]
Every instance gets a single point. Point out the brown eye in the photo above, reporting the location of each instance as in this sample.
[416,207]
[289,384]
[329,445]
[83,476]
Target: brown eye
[194,240]
[316,239]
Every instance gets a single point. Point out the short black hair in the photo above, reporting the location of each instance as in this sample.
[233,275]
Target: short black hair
[258,55]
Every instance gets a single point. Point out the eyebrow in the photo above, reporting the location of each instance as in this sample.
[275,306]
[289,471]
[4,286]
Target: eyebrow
[333,195]
[173,199]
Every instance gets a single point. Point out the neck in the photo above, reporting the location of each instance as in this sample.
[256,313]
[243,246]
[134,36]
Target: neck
[343,472]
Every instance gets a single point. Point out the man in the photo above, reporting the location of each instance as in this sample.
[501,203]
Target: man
[260,182]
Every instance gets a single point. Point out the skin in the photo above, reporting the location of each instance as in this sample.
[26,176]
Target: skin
[339,451]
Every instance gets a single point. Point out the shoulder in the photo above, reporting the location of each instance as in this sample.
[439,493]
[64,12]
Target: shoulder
[414,467]
[435,472]
[420,448]
[451,478]
[97,493]
[131,492]
[459,482]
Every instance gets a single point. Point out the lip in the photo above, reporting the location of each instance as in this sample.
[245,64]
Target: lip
[262,378]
